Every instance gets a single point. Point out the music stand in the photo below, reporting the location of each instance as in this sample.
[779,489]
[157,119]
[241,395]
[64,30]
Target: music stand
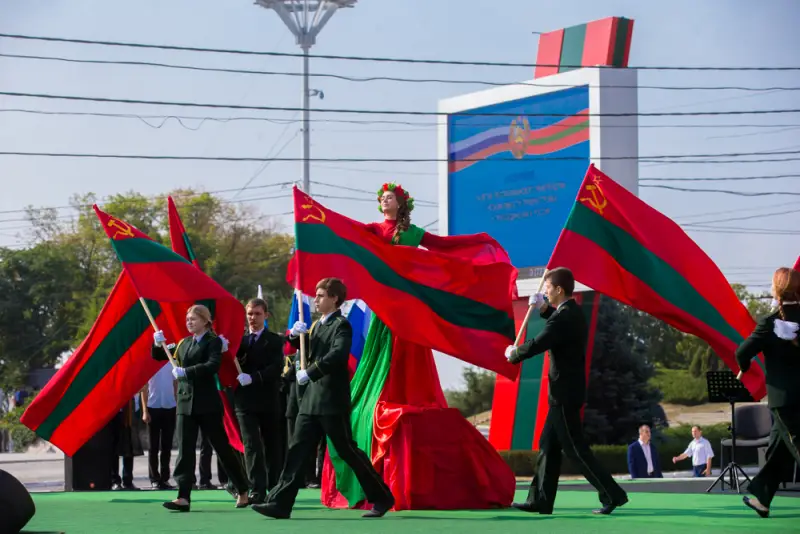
[724,387]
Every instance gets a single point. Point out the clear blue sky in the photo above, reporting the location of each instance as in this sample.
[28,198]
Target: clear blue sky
[685,32]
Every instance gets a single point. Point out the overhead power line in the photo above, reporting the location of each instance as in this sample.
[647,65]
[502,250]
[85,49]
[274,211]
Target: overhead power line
[675,158]
[723,178]
[164,118]
[394,79]
[725,191]
[395,111]
[377,58]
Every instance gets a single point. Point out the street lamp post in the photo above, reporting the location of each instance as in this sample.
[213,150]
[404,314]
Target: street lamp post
[305,19]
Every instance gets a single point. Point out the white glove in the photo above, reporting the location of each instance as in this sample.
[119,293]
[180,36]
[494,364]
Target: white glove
[302,377]
[511,350]
[536,300]
[298,328]
[245,379]
[224,344]
[159,337]
[785,329]
[178,372]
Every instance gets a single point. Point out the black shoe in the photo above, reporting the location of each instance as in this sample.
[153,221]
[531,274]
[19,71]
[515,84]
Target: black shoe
[116,486]
[206,486]
[379,510]
[313,485]
[129,487]
[608,508]
[169,505]
[270,510]
[165,486]
[257,498]
[530,508]
[760,509]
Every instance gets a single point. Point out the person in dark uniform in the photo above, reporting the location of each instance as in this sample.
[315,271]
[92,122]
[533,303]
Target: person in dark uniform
[295,393]
[565,336]
[257,401]
[127,444]
[776,337]
[325,408]
[204,465]
[199,406]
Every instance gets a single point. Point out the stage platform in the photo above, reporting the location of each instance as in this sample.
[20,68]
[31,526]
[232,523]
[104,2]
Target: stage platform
[669,485]
[653,511]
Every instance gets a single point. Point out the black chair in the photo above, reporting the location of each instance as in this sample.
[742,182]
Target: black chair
[753,423]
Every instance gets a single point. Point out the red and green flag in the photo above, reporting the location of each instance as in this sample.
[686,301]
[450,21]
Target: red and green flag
[618,245]
[107,369]
[181,245]
[161,275]
[459,307]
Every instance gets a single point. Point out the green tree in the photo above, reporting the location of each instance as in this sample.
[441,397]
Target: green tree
[619,397]
[54,289]
[477,395]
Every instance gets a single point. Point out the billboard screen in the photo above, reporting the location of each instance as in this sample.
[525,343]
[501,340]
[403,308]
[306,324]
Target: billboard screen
[515,175]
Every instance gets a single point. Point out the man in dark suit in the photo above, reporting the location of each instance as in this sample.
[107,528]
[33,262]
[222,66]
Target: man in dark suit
[643,459]
[776,337]
[325,408]
[295,394]
[565,336]
[257,401]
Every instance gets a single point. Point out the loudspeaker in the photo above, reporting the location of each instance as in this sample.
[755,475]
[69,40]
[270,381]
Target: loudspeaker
[16,504]
[89,469]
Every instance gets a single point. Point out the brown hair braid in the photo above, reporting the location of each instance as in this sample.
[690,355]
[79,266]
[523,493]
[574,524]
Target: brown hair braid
[403,219]
[786,287]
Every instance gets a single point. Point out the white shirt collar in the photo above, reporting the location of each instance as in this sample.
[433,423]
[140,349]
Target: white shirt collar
[258,333]
[198,338]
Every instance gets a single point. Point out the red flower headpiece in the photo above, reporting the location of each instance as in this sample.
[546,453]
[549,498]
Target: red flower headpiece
[398,190]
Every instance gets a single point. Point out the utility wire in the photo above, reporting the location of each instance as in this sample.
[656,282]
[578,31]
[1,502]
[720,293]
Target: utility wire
[181,118]
[680,158]
[727,192]
[381,59]
[723,179]
[396,111]
[360,79]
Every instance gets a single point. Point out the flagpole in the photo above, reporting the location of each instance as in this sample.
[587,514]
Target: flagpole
[299,292]
[528,314]
[155,328]
[301,314]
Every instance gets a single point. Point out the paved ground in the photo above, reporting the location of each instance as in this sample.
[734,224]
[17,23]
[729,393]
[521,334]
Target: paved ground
[44,471]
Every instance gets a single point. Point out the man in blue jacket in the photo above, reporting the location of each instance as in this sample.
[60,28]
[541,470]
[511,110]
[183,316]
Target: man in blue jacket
[643,456]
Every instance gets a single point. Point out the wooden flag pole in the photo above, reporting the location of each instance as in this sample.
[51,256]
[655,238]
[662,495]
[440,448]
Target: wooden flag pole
[155,329]
[301,314]
[528,314]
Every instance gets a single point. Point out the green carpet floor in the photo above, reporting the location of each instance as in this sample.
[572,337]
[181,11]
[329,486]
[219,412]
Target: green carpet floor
[213,511]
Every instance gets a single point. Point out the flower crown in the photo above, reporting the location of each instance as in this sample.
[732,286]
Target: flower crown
[398,190]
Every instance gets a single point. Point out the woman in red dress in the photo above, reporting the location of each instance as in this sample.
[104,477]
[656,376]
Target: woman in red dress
[428,454]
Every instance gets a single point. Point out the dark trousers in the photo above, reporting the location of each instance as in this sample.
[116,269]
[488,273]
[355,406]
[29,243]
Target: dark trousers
[127,470]
[204,466]
[263,454]
[307,434]
[309,469]
[563,431]
[698,470]
[213,429]
[782,453]
[161,431]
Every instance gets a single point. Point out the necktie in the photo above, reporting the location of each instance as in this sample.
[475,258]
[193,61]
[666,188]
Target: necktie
[252,340]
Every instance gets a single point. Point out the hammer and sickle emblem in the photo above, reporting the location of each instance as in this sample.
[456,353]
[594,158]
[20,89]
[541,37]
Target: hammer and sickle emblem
[598,200]
[312,216]
[122,228]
